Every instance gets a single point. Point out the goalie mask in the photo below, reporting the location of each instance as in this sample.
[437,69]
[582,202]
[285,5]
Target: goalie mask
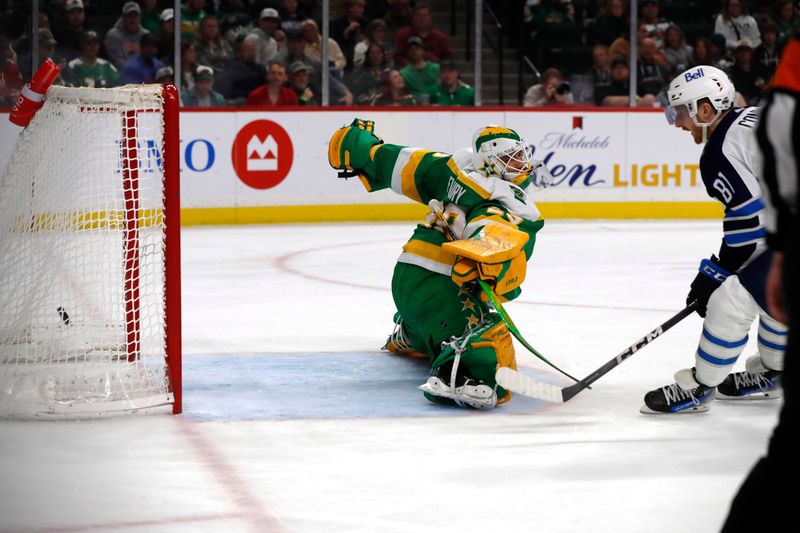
[690,87]
[502,153]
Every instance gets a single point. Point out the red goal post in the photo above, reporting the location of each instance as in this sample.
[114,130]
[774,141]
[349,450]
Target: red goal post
[90,319]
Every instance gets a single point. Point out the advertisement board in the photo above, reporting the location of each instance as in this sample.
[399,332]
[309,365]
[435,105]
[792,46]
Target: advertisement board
[271,166]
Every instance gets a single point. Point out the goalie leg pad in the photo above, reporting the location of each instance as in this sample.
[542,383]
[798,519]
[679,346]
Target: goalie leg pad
[731,311]
[479,353]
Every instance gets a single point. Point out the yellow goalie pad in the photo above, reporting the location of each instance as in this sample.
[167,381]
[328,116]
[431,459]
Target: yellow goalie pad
[498,338]
[495,256]
[496,243]
[502,277]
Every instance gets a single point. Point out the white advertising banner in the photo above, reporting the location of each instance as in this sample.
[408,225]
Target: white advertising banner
[242,159]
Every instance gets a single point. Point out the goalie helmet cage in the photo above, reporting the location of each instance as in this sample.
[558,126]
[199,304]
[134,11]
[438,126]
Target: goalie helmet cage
[90,257]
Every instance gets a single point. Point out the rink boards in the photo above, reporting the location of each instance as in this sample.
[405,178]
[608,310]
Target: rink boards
[271,166]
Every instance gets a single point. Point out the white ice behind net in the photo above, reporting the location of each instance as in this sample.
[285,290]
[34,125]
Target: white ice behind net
[82,325]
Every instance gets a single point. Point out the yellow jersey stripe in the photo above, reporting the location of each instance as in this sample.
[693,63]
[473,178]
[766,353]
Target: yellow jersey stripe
[429,251]
[407,175]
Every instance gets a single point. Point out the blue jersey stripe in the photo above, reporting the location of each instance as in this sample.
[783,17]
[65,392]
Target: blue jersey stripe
[724,344]
[771,345]
[705,356]
[745,237]
[753,207]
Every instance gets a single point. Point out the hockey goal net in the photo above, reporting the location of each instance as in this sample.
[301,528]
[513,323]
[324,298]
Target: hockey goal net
[89,257]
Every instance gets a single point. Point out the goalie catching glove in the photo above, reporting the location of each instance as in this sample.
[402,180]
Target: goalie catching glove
[350,150]
[495,256]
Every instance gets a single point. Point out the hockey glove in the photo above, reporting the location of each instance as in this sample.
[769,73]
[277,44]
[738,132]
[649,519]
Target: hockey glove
[349,150]
[503,277]
[709,278]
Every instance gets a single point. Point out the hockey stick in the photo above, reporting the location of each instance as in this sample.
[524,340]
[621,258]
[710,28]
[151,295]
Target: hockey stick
[504,316]
[529,386]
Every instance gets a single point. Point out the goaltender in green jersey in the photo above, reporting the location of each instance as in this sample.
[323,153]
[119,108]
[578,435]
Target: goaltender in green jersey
[482,194]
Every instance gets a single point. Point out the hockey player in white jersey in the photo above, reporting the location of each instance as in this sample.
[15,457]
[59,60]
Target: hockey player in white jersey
[729,288]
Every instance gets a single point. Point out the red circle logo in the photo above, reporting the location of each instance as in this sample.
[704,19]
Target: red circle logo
[262,154]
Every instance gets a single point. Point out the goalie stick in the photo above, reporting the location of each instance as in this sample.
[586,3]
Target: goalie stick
[529,386]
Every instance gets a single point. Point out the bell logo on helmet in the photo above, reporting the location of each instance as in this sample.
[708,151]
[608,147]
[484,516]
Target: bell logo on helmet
[689,76]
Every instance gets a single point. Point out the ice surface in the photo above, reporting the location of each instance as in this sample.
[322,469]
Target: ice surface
[295,421]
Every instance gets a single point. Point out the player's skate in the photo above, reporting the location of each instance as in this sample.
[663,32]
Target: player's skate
[466,392]
[398,343]
[757,382]
[684,396]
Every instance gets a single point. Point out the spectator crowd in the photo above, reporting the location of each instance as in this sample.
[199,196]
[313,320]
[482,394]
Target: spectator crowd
[388,52]
[743,38]
[240,52]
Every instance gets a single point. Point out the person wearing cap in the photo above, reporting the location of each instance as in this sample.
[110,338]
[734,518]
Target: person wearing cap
[122,40]
[47,50]
[419,74]
[735,23]
[266,36]
[203,94]
[435,43]
[68,29]
[212,49]
[747,75]
[142,67]
[165,76]
[165,34]
[88,70]
[299,83]
[338,93]
[275,93]
[451,90]
[191,15]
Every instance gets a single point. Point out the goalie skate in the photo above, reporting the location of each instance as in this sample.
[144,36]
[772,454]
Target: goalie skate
[471,393]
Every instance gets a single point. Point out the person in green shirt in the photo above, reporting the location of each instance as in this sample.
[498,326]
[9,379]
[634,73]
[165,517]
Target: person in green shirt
[451,90]
[191,15]
[420,76]
[88,70]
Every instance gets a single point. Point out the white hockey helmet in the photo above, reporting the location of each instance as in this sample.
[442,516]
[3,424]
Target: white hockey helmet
[501,152]
[691,86]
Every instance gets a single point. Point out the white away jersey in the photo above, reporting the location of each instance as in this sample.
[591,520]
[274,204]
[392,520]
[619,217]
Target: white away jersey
[730,166]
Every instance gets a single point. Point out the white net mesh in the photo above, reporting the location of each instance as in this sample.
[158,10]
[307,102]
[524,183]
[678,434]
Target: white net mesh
[82,321]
